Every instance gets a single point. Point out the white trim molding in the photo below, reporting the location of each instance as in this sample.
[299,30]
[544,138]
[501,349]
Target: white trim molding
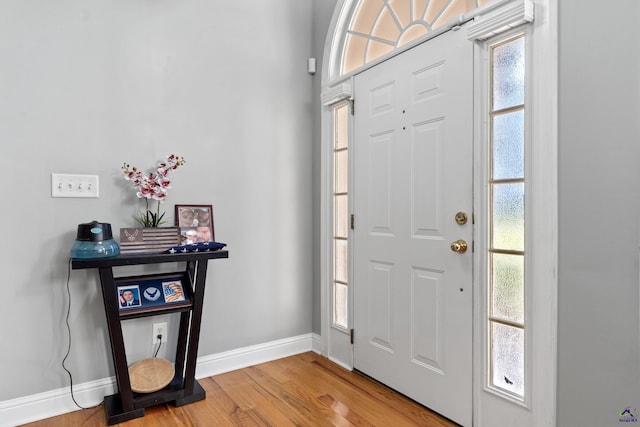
[337,93]
[57,402]
[497,21]
[539,409]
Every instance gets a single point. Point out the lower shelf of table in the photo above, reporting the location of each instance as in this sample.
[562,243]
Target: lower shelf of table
[171,393]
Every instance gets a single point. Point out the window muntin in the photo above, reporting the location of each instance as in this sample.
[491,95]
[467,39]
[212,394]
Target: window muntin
[506,219]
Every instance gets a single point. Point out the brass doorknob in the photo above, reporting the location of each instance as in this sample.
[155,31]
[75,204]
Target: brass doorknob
[459,246]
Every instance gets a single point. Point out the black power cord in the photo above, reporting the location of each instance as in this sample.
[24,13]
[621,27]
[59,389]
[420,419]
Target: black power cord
[69,346]
[159,337]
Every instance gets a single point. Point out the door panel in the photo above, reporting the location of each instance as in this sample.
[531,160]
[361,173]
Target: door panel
[425,182]
[426,312]
[380,188]
[412,174]
[380,305]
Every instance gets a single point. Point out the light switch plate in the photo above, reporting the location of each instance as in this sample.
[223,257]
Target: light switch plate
[69,185]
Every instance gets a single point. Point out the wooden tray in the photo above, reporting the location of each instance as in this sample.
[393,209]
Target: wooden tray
[149,375]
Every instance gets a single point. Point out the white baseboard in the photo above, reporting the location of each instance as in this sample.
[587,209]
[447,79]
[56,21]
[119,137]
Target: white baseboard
[248,356]
[56,402]
[317,345]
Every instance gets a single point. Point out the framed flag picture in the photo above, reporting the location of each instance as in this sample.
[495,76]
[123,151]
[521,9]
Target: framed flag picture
[152,293]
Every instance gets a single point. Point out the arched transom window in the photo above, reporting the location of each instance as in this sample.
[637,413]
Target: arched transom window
[379,27]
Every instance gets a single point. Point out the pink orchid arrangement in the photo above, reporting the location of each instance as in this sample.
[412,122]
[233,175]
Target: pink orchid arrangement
[152,186]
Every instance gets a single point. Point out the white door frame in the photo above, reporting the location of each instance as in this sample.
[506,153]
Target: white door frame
[542,198]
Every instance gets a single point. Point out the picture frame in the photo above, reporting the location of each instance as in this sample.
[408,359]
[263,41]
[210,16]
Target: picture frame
[129,296]
[195,223]
[156,292]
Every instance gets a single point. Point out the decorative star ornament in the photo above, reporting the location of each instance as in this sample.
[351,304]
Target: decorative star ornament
[196,247]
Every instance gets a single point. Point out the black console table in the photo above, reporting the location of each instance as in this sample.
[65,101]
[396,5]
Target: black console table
[184,388]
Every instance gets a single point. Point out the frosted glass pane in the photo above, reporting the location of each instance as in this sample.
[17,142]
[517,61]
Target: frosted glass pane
[377,49]
[508,74]
[340,294]
[341,126]
[355,47]
[508,145]
[419,9]
[452,9]
[434,10]
[341,166]
[507,287]
[507,358]
[340,216]
[508,216]
[412,33]
[385,27]
[340,260]
[366,15]
[402,10]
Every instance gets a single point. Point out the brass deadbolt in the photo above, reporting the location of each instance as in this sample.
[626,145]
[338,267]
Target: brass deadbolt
[461,218]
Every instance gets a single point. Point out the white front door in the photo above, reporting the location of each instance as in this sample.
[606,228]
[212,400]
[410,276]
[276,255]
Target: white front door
[413,164]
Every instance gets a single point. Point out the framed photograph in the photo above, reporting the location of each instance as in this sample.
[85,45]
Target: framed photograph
[195,223]
[152,293]
[129,296]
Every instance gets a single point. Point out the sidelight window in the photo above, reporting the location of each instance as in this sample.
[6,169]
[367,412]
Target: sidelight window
[341,215]
[506,253]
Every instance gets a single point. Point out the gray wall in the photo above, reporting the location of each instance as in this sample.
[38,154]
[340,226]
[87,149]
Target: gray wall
[86,86]
[322,13]
[599,142]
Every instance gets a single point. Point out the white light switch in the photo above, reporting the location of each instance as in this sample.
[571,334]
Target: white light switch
[67,185]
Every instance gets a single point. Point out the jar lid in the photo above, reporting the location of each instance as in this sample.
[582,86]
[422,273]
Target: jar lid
[94,231]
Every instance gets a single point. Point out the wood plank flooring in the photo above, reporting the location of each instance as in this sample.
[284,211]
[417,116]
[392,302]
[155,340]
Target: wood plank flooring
[302,390]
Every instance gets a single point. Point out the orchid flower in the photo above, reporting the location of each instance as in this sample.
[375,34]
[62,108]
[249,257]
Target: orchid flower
[152,186]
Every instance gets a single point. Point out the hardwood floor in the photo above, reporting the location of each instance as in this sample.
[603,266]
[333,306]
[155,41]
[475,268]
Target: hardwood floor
[301,390]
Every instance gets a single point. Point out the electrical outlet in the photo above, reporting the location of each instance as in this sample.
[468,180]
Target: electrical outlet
[159,329]
[68,185]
